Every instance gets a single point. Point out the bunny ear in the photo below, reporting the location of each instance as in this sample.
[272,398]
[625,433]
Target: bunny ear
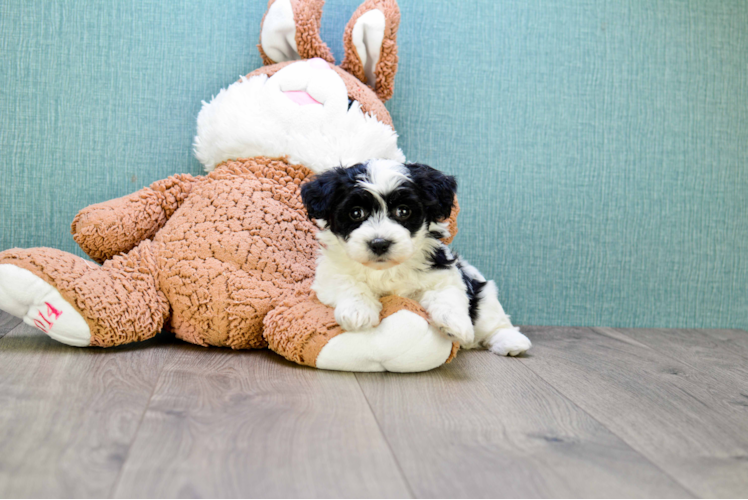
[290,31]
[370,43]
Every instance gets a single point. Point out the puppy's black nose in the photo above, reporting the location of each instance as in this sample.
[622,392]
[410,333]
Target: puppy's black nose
[380,246]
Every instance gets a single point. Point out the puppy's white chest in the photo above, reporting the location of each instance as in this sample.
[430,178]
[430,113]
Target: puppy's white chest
[410,286]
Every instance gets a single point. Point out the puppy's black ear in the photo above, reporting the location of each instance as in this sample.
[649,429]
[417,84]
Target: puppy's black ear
[319,193]
[437,190]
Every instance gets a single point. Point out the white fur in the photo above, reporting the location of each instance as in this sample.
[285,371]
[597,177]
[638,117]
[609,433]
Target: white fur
[493,329]
[449,308]
[253,117]
[354,289]
[336,269]
[507,342]
[380,226]
[383,177]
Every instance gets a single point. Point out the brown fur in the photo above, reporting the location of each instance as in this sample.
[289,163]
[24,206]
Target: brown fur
[308,16]
[387,64]
[107,229]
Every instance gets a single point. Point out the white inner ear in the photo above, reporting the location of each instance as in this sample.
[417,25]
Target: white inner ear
[278,36]
[368,34]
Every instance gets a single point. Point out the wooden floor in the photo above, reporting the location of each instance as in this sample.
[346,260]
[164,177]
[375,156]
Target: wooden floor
[590,412]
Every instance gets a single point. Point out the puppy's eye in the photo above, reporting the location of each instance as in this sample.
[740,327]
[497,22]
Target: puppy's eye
[402,212]
[357,214]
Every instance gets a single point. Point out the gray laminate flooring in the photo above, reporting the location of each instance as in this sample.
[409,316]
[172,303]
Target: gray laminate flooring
[590,412]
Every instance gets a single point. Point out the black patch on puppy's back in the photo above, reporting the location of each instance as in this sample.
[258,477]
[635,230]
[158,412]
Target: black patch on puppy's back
[440,260]
[474,288]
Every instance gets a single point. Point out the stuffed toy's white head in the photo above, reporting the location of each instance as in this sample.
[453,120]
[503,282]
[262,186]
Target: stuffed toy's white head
[301,105]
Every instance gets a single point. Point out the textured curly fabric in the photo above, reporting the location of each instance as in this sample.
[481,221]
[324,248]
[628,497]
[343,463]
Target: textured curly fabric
[237,243]
[369,101]
[107,229]
[120,300]
[387,63]
[265,59]
[452,223]
[239,240]
[300,326]
[307,17]
[226,259]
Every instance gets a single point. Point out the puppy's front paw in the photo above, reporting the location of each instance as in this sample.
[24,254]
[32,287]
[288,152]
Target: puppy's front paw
[508,342]
[456,326]
[355,315]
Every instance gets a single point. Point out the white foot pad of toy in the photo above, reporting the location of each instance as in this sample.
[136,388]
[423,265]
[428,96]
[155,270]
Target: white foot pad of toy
[25,295]
[403,342]
[508,342]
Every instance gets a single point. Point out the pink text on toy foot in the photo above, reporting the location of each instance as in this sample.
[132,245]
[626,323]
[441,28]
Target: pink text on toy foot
[45,323]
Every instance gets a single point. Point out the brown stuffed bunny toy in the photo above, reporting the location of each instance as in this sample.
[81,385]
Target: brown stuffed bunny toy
[227,259]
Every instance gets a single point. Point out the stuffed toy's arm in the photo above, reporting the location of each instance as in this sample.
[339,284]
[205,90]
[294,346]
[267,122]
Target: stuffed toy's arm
[304,330]
[116,226]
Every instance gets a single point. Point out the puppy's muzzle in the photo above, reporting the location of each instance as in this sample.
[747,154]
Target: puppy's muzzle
[380,246]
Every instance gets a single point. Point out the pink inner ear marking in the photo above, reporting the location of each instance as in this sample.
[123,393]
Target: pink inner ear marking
[318,63]
[301,97]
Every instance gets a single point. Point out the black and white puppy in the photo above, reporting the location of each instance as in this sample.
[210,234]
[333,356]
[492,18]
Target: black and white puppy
[381,224]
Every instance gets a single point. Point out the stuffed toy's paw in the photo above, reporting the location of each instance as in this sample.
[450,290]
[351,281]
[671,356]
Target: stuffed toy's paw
[39,304]
[403,342]
[305,331]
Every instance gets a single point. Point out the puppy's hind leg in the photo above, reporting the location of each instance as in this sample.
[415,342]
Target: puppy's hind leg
[493,329]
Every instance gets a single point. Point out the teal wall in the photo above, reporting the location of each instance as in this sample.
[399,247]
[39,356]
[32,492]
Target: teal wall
[600,146]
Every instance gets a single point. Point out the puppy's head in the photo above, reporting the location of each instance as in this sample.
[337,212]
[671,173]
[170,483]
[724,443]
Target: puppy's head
[381,212]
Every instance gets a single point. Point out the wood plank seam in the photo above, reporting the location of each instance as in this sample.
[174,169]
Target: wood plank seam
[286,423]
[115,484]
[660,351]
[601,331]
[630,445]
[8,323]
[712,333]
[70,413]
[384,437]
[484,421]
